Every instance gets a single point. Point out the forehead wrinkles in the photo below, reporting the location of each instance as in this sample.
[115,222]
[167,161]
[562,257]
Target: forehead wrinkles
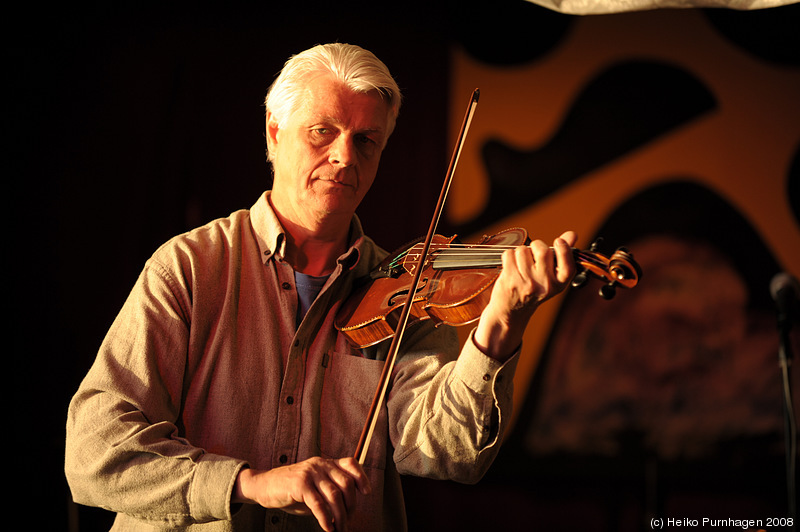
[334,103]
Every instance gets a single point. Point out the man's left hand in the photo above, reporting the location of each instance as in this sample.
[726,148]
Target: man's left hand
[531,275]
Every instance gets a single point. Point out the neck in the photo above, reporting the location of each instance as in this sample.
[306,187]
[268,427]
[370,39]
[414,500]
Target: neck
[313,248]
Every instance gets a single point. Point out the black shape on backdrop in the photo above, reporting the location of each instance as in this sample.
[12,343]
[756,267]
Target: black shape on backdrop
[622,109]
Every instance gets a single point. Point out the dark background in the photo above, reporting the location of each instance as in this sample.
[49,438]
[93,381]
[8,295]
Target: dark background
[132,123]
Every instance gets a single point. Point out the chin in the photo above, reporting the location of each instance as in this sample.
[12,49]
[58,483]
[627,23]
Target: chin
[333,206]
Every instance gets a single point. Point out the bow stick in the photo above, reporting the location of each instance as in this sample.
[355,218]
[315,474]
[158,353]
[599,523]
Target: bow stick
[388,365]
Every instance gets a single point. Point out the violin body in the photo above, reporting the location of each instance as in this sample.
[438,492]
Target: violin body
[450,291]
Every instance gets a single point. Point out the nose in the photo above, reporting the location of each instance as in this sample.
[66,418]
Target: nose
[343,151]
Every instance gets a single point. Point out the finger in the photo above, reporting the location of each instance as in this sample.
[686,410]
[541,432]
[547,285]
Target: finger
[540,250]
[570,237]
[320,494]
[355,470]
[544,260]
[341,493]
[515,279]
[565,261]
[346,478]
[335,498]
[510,262]
[316,502]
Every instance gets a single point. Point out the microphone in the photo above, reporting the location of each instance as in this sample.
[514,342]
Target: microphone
[785,292]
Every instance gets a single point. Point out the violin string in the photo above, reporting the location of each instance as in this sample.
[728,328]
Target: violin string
[449,250]
[469,253]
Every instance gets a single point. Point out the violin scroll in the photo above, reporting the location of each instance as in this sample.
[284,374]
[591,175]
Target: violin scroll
[618,270]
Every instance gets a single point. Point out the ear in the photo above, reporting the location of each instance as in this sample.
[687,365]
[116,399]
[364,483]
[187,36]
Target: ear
[272,132]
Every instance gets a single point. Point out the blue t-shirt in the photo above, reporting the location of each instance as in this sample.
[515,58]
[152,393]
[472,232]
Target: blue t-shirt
[308,287]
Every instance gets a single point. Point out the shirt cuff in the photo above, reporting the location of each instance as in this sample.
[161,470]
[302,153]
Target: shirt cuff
[481,373]
[212,487]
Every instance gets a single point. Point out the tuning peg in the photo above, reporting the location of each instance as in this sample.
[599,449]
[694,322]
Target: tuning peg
[608,291]
[579,280]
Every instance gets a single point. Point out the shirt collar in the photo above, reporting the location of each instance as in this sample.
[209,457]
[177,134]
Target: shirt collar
[272,237]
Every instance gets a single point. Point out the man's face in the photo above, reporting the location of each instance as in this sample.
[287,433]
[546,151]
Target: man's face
[326,156]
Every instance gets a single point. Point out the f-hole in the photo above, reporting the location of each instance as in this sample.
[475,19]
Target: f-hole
[400,293]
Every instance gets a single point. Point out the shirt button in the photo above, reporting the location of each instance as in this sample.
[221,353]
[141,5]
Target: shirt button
[487,377]
[275,519]
[286,286]
[283,459]
[289,400]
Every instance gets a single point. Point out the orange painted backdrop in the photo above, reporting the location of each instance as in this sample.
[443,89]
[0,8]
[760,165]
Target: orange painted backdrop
[741,149]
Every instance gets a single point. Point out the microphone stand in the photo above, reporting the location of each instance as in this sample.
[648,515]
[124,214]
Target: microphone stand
[790,426]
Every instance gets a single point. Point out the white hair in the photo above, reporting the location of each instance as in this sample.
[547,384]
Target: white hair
[358,69]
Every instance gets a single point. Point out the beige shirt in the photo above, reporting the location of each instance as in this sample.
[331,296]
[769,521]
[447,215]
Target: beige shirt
[205,371]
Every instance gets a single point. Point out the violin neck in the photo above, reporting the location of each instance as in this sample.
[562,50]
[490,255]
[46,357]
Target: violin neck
[480,257]
[456,261]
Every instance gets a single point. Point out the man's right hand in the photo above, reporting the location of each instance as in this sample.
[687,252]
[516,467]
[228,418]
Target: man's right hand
[328,489]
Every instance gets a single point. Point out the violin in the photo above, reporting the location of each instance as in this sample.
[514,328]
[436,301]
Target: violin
[456,283]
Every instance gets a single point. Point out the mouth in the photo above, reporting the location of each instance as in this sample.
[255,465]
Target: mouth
[336,181]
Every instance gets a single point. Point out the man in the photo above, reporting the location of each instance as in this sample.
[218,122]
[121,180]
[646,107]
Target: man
[223,398]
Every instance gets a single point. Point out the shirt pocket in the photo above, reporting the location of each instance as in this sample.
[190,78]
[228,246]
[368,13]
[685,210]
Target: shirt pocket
[347,394]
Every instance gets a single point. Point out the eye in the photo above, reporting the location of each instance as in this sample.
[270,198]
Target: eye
[320,136]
